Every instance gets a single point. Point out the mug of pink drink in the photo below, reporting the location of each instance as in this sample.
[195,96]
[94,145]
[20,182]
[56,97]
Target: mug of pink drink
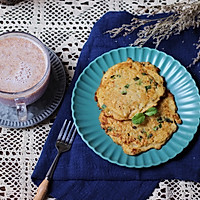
[24,71]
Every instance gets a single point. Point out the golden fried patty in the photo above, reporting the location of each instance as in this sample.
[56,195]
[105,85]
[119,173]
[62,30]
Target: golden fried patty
[152,133]
[128,88]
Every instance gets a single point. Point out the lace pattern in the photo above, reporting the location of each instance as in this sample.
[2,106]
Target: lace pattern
[64,26]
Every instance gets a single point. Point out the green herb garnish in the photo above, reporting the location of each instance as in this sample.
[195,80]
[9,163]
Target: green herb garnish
[124,92]
[140,82]
[136,78]
[127,86]
[138,118]
[103,106]
[143,131]
[147,87]
[144,74]
[109,129]
[151,111]
[168,120]
[155,128]
[159,120]
[149,135]
[113,77]
[139,137]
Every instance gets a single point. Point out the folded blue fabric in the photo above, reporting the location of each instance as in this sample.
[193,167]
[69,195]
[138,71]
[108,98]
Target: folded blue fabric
[80,173]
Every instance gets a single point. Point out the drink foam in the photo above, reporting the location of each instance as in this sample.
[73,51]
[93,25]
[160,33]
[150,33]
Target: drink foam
[22,64]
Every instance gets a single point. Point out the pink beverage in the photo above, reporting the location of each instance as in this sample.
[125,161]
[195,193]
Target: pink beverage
[24,68]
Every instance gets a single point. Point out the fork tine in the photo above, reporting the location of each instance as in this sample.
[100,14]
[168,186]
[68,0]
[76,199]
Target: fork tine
[69,133]
[62,130]
[73,134]
[66,132]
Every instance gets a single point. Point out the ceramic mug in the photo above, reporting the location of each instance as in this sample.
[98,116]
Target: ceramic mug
[10,2]
[24,70]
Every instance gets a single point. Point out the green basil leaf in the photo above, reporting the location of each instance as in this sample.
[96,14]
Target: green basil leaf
[138,118]
[151,111]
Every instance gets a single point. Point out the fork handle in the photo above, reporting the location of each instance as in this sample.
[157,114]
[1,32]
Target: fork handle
[42,190]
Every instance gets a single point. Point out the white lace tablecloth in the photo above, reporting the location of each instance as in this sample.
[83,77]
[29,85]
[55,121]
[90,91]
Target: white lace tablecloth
[64,26]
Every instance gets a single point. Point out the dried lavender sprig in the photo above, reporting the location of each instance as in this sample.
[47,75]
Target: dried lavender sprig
[128,28]
[197,59]
[183,16]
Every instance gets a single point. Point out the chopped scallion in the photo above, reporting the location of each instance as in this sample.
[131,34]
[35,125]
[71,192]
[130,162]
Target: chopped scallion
[168,120]
[140,82]
[149,135]
[147,87]
[127,86]
[159,120]
[124,92]
[103,106]
[136,78]
[139,137]
[155,128]
[109,129]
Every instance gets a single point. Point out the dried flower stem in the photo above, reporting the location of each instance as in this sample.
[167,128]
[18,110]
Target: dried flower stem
[181,16]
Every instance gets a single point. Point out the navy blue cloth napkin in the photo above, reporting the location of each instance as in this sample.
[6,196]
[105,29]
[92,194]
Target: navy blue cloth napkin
[80,173]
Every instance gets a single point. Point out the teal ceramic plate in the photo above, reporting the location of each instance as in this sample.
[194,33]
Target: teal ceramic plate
[85,111]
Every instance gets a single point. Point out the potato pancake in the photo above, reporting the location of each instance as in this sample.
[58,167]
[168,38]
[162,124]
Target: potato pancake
[152,133]
[128,88]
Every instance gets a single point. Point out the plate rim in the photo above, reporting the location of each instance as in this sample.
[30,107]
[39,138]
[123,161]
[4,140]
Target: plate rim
[117,162]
